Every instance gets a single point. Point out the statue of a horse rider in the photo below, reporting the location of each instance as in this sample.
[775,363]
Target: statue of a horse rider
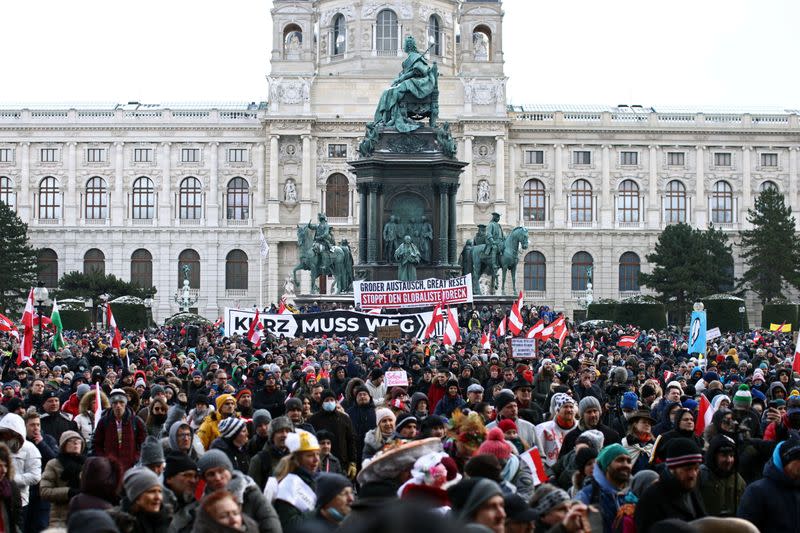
[494,241]
[323,241]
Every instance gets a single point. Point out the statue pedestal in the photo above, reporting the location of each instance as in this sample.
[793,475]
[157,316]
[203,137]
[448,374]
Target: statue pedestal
[408,176]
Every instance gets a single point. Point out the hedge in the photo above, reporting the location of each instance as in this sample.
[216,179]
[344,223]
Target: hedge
[75,320]
[643,315]
[186,318]
[723,313]
[130,316]
[602,311]
[778,314]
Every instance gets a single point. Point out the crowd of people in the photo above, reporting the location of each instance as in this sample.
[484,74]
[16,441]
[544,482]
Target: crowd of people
[176,432]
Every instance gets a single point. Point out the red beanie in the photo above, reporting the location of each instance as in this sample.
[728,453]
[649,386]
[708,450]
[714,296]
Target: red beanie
[507,424]
[495,444]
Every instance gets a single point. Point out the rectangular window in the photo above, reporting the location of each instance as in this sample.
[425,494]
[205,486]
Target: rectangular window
[142,155]
[582,157]
[237,155]
[190,155]
[95,155]
[676,159]
[769,160]
[722,159]
[629,158]
[48,155]
[6,155]
[337,150]
[534,157]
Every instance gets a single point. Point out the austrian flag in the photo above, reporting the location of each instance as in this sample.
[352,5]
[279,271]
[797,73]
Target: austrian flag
[254,332]
[451,332]
[627,341]
[515,318]
[113,330]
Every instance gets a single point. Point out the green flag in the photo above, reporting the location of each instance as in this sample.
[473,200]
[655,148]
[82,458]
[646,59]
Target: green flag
[55,317]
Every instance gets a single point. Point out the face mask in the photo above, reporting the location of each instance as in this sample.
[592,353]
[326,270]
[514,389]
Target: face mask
[335,515]
[329,406]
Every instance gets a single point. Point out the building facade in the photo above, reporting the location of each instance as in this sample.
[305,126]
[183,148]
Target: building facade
[139,190]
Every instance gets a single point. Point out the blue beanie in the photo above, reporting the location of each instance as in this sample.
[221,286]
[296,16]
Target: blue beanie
[690,404]
[708,377]
[629,401]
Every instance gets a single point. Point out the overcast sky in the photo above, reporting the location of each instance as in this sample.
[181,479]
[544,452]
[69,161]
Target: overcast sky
[700,52]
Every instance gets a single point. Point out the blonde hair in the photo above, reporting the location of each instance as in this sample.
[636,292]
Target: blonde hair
[286,466]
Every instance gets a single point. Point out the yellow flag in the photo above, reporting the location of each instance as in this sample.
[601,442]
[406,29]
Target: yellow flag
[782,328]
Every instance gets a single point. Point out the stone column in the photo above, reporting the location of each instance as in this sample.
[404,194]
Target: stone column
[212,216]
[443,223]
[363,224]
[559,209]
[653,209]
[451,225]
[165,200]
[467,206]
[500,168]
[747,188]
[700,207]
[24,205]
[792,199]
[606,218]
[258,215]
[372,229]
[118,207]
[305,199]
[71,199]
[273,212]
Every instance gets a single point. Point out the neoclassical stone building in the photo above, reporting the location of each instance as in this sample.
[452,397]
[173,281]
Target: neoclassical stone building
[139,190]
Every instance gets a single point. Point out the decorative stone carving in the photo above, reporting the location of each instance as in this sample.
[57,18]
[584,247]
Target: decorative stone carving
[483,151]
[290,151]
[484,91]
[290,191]
[327,16]
[484,196]
[371,9]
[290,90]
[426,11]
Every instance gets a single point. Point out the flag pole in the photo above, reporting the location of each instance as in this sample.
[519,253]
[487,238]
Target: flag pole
[261,283]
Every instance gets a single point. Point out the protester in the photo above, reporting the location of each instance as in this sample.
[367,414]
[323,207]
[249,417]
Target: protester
[119,433]
[61,477]
[10,497]
[296,496]
[220,512]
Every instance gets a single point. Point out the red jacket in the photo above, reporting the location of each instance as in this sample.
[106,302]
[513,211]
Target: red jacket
[72,405]
[435,393]
[106,443]
[778,431]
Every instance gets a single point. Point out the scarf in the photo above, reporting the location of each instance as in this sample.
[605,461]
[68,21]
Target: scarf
[510,469]
[5,490]
[72,464]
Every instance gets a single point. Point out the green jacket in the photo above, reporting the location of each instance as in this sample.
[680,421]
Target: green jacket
[721,495]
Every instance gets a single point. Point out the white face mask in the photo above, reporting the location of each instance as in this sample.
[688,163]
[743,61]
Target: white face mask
[329,406]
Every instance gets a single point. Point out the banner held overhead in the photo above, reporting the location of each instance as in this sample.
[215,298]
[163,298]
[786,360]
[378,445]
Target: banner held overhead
[417,293]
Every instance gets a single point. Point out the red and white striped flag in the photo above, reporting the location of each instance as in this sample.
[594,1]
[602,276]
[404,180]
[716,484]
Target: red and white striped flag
[535,330]
[485,342]
[6,324]
[282,309]
[667,376]
[560,330]
[451,332]
[219,322]
[501,328]
[113,330]
[796,362]
[254,331]
[25,354]
[704,415]
[375,311]
[627,341]
[98,405]
[533,459]
[515,318]
[436,317]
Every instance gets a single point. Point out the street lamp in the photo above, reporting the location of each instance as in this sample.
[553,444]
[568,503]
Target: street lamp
[40,294]
[742,311]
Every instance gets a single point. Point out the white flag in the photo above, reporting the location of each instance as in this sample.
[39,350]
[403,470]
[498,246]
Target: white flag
[264,245]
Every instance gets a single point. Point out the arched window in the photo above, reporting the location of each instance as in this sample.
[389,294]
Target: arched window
[190,199]
[628,202]
[143,199]
[629,267]
[722,203]
[94,260]
[238,199]
[535,272]
[675,203]
[47,260]
[767,185]
[581,201]
[292,41]
[481,43]
[386,31]
[7,195]
[96,199]
[236,270]
[142,268]
[49,199]
[581,263]
[192,259]
[339,40]
[435,35]
[337,196]
[533,202]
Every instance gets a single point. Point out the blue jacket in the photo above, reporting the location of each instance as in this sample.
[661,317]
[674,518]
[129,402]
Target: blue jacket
[448,404]
[773,502]
[609,500]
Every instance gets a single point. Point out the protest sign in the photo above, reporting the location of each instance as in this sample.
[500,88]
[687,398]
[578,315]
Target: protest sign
[418,293]
[396,378]
[522,348]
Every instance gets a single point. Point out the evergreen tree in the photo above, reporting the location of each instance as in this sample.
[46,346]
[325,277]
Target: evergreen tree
[19,261]
[771,249]
[94,284]
[719,274]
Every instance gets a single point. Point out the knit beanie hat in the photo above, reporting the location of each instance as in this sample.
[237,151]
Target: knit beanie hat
[82,389]
[743,398]
[69,434]
[91,521]
[504,398]
[294,404]
[382,413]
[137,481]
[495,444]
[230,427]
[593,438]
[328,486]
[118,395]
[178,462]
[629,401]
[261,416]
[242,393]
[608,454]
[282,422]
[214,459]
[404,419]
[758,374]
[588,402]
[507,425]
[583,456]
[486,466]
[222,398]
[789,450]
[468,495]
[683,451]
[152,452]
[559,400]
[546,498]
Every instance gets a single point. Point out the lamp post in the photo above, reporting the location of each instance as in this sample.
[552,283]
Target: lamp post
[40,295]
[742,311]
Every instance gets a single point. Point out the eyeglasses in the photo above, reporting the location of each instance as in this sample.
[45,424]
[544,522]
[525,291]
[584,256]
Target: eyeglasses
[159,412]
[184,435]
